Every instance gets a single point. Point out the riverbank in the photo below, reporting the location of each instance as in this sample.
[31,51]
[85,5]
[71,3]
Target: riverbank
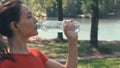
[105,32]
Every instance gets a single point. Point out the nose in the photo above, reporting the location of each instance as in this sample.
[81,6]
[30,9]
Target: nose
[35,19]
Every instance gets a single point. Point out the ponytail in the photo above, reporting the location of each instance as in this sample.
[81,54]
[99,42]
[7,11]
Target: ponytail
[4,54]
[9,11]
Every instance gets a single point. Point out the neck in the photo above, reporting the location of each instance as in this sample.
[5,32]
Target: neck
[18,45]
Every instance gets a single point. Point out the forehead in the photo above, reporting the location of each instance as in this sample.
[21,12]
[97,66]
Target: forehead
[24,9]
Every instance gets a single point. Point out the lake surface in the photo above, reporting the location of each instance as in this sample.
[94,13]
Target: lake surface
[109,29]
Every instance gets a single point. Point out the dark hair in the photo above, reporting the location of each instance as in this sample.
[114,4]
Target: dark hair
[9,12]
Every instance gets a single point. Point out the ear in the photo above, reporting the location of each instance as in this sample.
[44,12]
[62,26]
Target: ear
[13,25]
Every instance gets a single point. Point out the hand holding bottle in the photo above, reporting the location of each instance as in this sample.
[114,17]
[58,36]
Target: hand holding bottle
[69,28]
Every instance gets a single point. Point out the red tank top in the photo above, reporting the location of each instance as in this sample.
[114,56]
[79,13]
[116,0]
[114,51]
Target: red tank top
[35,59]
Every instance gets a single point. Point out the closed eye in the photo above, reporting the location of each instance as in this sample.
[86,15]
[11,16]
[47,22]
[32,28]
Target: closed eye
[29,17]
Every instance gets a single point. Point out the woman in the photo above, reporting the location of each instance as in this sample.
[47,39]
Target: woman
[18,24]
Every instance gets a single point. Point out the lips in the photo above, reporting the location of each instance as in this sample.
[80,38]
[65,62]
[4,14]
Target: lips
[35,26]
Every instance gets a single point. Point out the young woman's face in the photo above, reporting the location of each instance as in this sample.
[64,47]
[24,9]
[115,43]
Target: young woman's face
[27,23]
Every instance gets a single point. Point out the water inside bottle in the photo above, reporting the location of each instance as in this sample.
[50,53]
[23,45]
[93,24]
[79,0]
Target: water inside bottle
[50,26]
[55,26]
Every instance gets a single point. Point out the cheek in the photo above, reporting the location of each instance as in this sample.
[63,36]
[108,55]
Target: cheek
[28,29]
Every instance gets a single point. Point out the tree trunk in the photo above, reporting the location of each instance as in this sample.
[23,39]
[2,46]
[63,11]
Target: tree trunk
[118,8]
[94,25]
[60,17]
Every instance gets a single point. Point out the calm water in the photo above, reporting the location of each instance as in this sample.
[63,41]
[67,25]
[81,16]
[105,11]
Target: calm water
[109,29]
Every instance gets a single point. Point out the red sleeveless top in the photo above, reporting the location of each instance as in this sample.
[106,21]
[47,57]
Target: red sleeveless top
[35,59]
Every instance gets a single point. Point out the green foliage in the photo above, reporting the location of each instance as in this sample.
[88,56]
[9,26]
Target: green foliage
[34,6]
[38,6]
[102,11]
[86,6]
[52,10]
[72,8]
[106,7]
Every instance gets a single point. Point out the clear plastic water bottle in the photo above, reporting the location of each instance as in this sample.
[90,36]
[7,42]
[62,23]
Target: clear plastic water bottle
[57,26]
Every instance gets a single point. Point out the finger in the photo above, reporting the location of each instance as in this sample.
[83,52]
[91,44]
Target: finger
[67,20]
[64,20]
[71,20]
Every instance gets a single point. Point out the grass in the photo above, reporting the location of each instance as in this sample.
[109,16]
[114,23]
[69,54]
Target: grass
[100,63]
[55,49]
[52,50]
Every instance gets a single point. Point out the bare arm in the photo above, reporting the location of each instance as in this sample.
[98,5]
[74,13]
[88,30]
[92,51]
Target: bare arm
[72,50]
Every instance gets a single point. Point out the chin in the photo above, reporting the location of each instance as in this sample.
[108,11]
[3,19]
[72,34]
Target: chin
[33,33]
[36,33]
